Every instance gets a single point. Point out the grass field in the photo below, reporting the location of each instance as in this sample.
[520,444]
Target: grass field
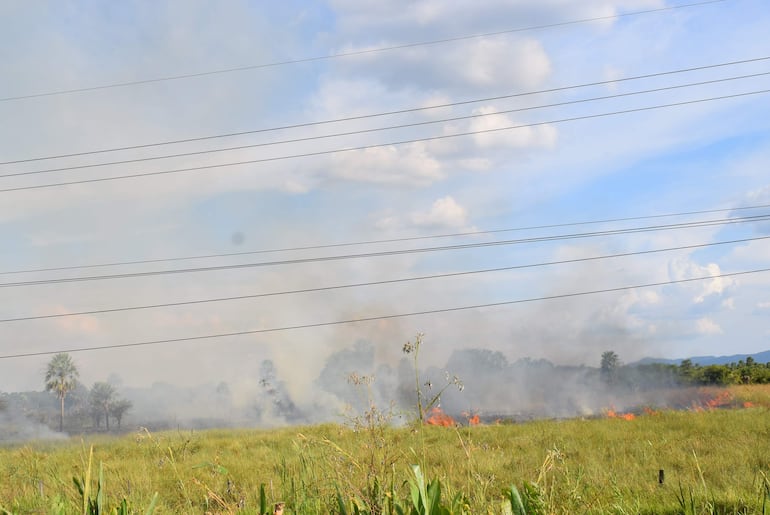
[714,461]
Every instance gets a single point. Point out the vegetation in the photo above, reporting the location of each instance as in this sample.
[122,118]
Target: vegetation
[686,373]
[715,461]
[707,455]
[61,378]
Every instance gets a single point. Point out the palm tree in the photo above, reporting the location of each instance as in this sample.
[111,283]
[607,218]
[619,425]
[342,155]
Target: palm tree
[61,378]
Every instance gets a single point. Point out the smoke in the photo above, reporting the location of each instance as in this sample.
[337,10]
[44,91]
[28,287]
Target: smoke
[350,381]
[15,426]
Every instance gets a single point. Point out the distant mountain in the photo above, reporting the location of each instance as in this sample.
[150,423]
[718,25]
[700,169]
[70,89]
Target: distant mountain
[760,357]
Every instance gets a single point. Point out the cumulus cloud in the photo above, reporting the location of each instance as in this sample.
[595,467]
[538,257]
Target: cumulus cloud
[707,326]
[445,212]
[523,137]
[475,66]
[397,165]
[685,269]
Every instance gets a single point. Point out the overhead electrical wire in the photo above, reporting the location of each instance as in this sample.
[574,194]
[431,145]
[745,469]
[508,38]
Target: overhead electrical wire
[376,283]
[350,53]
[379,129]
[390,240]
[378,145]
[318,259]
[389,113]
[381,317]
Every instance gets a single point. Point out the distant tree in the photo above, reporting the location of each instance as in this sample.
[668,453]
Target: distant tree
[118,408]
[61,378]
[609,366]
[276,390]
[715,374]
[101,399]
[223,389]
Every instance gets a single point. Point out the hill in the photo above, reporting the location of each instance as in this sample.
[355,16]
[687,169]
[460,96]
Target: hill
[759,357]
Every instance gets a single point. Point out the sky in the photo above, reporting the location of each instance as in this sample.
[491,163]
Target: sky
[570,163]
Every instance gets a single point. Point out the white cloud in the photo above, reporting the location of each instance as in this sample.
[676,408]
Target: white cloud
[502,63]
[538,136]
[506,179]
[707,326]
[680,269]
[445,212]
[397,165]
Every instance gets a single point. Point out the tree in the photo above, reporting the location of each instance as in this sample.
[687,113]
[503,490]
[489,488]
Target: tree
[715,374]
[61,378]
[101,399]
[609,366]
[118,408]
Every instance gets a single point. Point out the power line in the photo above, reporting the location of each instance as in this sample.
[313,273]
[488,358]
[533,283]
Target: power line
[373,242]
[379,145]
[381,317]
[351,53]
[376,283]
[389,113]
[379,129]
[635,230]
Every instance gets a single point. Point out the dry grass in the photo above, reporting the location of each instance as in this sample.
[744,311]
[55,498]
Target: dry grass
[714,462]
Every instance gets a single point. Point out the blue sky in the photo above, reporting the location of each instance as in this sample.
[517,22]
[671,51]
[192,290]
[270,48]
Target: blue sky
[711,155]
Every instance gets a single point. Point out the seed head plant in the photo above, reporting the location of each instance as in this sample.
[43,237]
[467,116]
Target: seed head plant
[413,349]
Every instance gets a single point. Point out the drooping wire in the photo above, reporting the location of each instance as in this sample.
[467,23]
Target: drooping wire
[379,129]
[350,53]
[378,145]
[319,259]
[376,283]
[380,317]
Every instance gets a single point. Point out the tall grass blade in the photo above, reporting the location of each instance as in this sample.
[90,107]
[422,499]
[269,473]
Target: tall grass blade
[517,505]
[151,508]
[100,491]
[341,504]
[419,492]
[262,500]
[85,490]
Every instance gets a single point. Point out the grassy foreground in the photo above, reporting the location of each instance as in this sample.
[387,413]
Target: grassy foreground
[714,461]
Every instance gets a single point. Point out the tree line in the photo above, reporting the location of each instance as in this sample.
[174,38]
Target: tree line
[686,373]
[86,408]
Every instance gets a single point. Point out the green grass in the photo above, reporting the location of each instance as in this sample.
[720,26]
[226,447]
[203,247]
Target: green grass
[714,461]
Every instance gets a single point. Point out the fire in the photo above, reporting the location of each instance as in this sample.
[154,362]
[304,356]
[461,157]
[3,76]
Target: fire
[722,399]
[611,413]
[439,418]
[748,404]
[473,420]
[707,401]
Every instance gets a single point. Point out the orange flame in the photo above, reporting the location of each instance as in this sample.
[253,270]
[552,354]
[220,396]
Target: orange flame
[611,413]
[439,418]
[708,401]
[473,420]
[748,404]
[722,399]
